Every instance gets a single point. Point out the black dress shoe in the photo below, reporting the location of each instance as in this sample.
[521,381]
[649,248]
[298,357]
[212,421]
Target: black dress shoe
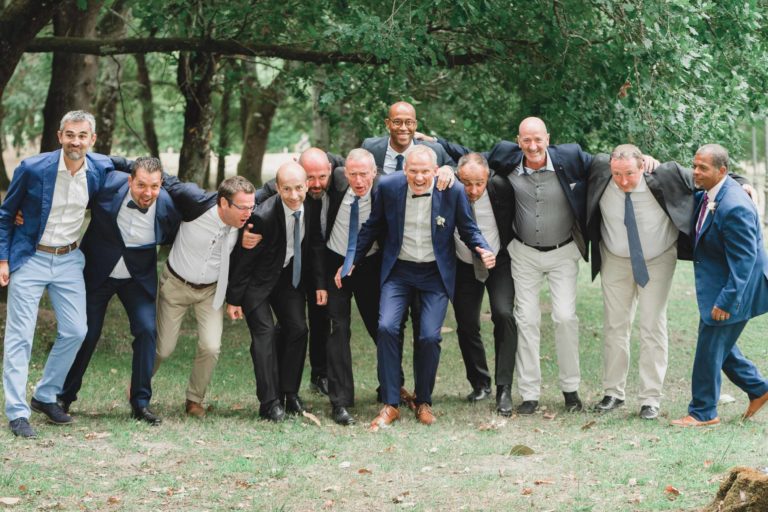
[572,401]
[608,403]
[20,427]
[319,385]
[480,393]
[53,411]
[274,412]
[528,407]
[293,405]
[64,405]
[504,400]
[145,415]
[649,412]
[342,416]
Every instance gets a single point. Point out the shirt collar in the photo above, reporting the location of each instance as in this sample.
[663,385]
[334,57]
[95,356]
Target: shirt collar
[547,167]
[391,151]
[350,195]
[712,193]
[63,165]
[288,212]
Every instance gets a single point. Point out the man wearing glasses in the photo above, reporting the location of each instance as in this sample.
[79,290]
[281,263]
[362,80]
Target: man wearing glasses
[196,275]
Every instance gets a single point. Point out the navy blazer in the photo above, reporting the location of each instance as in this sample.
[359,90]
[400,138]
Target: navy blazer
[103,243]
[377,146]
[31,191]
[387,220]
[730,263]
[571,165]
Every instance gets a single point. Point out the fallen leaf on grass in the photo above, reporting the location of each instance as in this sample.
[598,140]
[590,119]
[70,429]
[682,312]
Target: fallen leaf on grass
[725,398]
[588,425]
[636,500]
[632,482]
[488,426]
[10,502]
[114,500]
[521,450]
[90,436]
[672,492]
[332,488]
[345,464]
[23,488]
[549,415]
[527,491]
[426,469]
[707,463]
[311,417]
[364,471]
[328,504]
[400,497]
[543,482]
[237,407]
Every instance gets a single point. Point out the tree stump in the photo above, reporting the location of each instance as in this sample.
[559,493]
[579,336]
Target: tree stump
[744,490]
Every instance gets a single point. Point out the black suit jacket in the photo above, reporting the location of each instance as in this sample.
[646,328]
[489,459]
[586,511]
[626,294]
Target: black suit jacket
[255,272]
[502,197]
[270,188]
[571,164]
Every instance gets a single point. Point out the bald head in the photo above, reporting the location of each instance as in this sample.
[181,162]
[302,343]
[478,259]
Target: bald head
[291,180]
[315,162]
[533,139]
[401,123]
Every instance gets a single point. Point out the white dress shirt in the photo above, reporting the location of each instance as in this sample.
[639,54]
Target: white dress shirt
[339,238]
[196,251]
[289,223]
[390,158]
[137,229]
[487,223]
[70,198]
[657,232]
[417,231]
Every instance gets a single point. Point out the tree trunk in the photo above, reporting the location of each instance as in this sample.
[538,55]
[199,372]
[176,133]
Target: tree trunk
[226,99]
[349,137]
[73,76]
[4,181]
[147,108]
[112,24]
[743,490]
[195,79]
[262,103]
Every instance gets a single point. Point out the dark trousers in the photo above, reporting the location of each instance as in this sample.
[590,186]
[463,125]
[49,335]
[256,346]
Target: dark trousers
[467,302]
[141,310]
[319,329]
[363,284]
[716,350]
[405,278]
[278,361]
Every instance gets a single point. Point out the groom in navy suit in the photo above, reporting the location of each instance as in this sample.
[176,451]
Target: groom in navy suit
[416,223]
[731,271]
[129,218]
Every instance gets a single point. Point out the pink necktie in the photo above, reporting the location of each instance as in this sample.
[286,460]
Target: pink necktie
[702,214]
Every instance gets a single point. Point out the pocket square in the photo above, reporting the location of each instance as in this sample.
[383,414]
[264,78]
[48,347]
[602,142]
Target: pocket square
[573,185]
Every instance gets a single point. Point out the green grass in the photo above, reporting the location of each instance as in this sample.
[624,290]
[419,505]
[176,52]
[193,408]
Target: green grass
[232,461]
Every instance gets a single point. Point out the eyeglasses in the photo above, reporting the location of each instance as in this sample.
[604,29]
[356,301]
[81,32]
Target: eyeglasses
[397,123]
[242,208]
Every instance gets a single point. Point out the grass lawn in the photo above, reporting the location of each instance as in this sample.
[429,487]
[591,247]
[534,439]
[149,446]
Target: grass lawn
[231,460]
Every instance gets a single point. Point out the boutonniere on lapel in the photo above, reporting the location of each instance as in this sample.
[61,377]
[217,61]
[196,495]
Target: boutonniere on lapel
[711,207]
[440,221]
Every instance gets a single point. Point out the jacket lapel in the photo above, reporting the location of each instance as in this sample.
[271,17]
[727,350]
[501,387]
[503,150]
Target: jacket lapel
[402,192]
[49,182]
[710,217]
[437,201]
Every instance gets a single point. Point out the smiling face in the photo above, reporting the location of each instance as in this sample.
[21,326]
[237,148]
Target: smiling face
[145,187]
[533,139]
[474,177]
[420,171]
[76,138]
[318,168]
[705,173]
[401,124]
[291,183]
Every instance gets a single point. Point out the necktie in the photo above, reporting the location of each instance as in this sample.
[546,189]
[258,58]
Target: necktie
[399,165]
[354,217]
[481,273]
[134,206]
[296,249]
[639,270]
[702,214]
[221,284]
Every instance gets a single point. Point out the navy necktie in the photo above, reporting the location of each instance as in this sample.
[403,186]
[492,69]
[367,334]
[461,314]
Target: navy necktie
[354,217]
[132,205]
[399,165]
[296,249]
[639,270]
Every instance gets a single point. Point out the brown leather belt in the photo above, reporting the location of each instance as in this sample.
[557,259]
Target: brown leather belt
[58,251]
[194,286]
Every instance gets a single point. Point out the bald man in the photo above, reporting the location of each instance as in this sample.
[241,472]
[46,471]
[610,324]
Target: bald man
[271,278]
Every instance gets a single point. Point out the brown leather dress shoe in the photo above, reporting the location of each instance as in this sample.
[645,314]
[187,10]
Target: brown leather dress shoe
[387,416]
[690,421]
[408,398]
[194,409]
[754,406]
[424,414]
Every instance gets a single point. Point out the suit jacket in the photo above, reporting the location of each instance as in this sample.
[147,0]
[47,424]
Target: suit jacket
[730,263]
[502,197]
[103,243]
[378,148]
[31,191]
[571,164]
[254,272]
[672,187]
[387,220]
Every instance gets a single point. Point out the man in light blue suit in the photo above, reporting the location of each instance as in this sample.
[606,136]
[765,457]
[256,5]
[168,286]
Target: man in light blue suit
[415,222]
[52,191]
[731,270]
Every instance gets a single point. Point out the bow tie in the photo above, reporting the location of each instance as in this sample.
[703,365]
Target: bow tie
[421,195]
[134,206]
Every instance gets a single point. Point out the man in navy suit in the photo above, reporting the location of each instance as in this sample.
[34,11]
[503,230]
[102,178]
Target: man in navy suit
[416,223]
[52,191]
[731,270]
[130,217]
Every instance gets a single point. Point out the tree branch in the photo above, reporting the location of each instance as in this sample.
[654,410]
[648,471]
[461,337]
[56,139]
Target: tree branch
[221,47]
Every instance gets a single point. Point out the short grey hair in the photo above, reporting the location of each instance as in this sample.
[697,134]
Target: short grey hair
[473,158]
[76,116]
[718,153]
[628,152]
[363,156]
[417,149]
